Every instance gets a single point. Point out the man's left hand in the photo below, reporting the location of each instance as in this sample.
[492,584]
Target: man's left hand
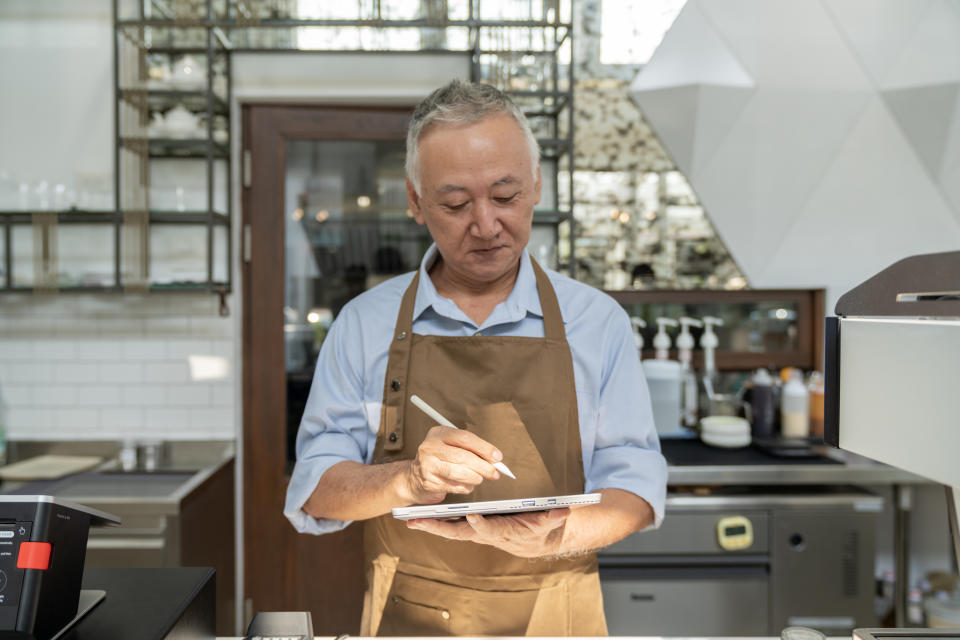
[528,535]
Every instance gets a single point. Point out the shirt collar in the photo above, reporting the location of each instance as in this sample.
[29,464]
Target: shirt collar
[523,299]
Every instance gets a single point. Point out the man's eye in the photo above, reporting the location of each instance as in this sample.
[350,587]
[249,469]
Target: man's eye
[506,199]
[456,207]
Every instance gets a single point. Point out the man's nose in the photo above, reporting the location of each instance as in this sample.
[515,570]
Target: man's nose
[486,221]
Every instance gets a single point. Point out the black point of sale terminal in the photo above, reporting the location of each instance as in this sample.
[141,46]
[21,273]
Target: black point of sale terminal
[43,544]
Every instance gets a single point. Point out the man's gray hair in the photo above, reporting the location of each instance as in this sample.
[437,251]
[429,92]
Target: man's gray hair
[462,103]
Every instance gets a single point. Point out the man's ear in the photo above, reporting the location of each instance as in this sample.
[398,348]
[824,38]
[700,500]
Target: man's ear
[413,200]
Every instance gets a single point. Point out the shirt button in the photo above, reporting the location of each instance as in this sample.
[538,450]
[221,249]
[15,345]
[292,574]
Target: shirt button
[445,615]
[401,335]
[395,385]
[478,333]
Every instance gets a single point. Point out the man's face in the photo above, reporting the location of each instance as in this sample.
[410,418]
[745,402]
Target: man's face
[477,193]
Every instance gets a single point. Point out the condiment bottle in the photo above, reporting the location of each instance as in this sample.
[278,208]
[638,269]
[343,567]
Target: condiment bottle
[795,407]
[815,387]
[661,341]
[761,404]
[664,382]
[709,379]
[689,379]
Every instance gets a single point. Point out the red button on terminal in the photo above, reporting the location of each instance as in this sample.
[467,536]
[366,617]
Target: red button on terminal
[34,555]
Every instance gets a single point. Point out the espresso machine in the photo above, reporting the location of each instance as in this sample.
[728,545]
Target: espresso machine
[893,381]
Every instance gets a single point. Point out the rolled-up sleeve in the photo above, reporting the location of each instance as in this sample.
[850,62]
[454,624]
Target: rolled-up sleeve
[626,452]
[334,427]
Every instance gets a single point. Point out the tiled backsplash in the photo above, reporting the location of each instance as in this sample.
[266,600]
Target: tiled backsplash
[84,367]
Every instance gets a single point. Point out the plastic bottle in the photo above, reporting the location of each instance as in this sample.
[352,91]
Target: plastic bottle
[815,387]
[708,378]
[687,376]
[661,341]
[761,403]
[663,381]
[795,407]
[915,612]
[638,325]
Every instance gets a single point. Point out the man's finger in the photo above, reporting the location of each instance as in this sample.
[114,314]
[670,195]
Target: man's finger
[471,442]
[448,472]
[452,529]
[468,460]
[550,519]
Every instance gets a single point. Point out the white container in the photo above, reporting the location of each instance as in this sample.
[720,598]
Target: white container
[942,613]
[795,408]
[725,431]
[664,381]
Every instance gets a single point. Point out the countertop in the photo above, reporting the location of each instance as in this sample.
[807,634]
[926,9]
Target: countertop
[690,464]
[824,465]
[146,604]
[185,466]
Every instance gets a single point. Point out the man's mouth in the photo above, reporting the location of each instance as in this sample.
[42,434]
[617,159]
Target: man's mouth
[487,251]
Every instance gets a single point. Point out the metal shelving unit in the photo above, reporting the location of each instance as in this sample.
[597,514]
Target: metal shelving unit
[519,53]
[147,84]
[518,50]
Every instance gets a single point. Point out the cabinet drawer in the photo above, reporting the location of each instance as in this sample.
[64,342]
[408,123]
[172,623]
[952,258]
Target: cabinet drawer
[700,603]
[691,533]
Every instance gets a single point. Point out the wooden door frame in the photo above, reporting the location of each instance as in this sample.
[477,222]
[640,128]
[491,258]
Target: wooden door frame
[285,570]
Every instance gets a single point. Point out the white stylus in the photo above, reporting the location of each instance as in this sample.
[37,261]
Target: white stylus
[433,413]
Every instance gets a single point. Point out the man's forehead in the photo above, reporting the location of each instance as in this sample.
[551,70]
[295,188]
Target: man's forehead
[451,187]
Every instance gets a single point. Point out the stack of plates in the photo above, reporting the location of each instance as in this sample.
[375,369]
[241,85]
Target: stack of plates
[725,431]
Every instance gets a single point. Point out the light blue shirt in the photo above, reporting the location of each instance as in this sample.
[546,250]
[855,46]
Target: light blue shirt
[342,415]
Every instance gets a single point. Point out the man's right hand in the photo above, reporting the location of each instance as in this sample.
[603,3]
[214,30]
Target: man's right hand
[450,461]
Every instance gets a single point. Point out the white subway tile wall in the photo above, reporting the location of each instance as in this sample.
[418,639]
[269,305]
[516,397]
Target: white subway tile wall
[116,367]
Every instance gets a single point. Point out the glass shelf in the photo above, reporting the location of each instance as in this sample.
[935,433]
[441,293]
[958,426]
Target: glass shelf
[67,216]
[82,249]
[188,217]
[193,99]
[176,147]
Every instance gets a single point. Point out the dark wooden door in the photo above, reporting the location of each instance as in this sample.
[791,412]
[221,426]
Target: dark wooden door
[286,570]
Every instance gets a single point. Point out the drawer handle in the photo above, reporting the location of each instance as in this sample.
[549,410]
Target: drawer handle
[115,544]
[641,597]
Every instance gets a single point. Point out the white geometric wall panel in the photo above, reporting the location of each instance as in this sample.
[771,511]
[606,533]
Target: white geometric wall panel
[822,136]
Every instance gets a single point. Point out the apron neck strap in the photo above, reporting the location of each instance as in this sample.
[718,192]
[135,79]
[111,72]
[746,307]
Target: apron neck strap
[405,317]
[552,319]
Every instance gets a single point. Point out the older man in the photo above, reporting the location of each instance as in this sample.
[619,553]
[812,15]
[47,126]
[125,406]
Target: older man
[540,369]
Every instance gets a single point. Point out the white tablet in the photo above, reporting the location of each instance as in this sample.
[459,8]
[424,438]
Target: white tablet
[490,507]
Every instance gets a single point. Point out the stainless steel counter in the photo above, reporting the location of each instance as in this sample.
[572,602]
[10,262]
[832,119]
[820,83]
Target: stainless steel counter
[853,470]
[185,467]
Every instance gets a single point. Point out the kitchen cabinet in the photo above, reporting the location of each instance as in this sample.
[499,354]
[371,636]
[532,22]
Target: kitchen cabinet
[808,560]
[812,534]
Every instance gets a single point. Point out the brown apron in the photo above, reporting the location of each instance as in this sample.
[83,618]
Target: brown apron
[517,393]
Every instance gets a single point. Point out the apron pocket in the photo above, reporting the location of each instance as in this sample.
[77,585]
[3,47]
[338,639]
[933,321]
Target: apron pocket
[414,609]
[421,607]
